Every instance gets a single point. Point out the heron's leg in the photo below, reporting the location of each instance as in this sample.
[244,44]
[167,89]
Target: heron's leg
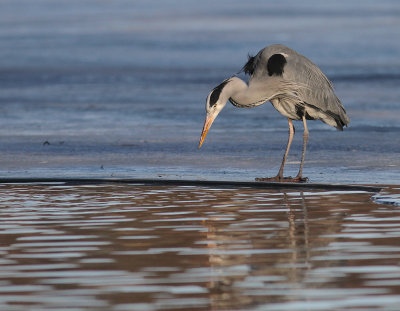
[279,177]
[303,154]
[291,135]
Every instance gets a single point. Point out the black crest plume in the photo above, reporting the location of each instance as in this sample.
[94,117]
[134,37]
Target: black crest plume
[249,67]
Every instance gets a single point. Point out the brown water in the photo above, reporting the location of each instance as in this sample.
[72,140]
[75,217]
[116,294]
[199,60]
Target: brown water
[129,247]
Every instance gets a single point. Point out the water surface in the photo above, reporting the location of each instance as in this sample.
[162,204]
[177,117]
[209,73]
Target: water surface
[132,247]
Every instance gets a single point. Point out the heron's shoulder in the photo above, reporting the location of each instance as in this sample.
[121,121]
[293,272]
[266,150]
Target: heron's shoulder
[257,63]
[273,49]
[296,66]
[278,59]
[262,57]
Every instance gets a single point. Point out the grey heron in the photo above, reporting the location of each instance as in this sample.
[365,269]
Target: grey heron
[294,85]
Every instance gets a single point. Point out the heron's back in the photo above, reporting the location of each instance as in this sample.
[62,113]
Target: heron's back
[318,100]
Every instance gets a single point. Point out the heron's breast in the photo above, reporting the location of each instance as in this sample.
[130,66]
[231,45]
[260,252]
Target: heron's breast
[288,109]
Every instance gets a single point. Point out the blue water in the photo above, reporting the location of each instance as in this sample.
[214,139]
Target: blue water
[118,88]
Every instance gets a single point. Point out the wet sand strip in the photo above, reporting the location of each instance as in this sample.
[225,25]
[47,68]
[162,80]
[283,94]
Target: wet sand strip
[183,182]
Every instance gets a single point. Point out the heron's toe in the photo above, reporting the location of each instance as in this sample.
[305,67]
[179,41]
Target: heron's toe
[299,179]
[270,179]
[296,179]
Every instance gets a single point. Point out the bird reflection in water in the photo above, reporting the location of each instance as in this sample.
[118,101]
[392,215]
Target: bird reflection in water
[267,249]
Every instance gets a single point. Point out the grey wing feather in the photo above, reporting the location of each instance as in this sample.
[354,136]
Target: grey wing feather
[315,90]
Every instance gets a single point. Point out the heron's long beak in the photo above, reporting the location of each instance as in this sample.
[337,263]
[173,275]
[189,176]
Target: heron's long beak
[206,127]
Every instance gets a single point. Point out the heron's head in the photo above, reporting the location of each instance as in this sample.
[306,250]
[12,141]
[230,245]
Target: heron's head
[216,100]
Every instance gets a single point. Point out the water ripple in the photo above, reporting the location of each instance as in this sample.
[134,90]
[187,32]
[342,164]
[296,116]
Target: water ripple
[118,247]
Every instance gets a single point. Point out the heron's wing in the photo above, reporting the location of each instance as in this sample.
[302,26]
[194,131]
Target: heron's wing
[315,89]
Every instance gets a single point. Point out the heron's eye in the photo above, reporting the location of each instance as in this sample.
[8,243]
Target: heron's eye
[213,101]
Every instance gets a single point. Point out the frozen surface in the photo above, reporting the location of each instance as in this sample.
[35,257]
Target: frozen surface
[101,88]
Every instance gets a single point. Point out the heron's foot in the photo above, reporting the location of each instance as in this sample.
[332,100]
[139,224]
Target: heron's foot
[297,179]
[270,179]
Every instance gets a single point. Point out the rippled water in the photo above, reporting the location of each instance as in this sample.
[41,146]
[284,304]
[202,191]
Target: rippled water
[132,247]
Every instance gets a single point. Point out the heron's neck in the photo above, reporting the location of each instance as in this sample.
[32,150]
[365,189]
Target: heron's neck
[243,96]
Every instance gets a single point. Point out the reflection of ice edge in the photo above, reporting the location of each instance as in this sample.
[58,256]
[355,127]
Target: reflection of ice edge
[389,199]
